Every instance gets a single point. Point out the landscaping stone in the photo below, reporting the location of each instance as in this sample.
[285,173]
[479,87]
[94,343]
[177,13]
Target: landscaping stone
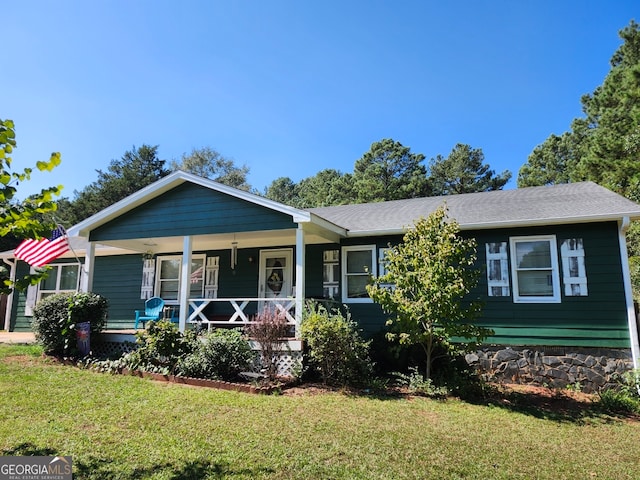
[592,368]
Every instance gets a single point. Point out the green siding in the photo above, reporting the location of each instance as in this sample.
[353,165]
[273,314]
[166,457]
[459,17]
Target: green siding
[596,320]
[191,210]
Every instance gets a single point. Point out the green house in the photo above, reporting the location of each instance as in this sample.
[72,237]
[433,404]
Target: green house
[554,262]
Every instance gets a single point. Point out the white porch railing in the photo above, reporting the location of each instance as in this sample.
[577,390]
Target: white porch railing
[197,307]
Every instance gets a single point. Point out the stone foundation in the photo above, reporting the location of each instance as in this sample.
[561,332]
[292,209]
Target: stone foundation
[592,368]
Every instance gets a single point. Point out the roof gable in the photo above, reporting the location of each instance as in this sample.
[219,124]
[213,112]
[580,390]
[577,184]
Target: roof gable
[163,186]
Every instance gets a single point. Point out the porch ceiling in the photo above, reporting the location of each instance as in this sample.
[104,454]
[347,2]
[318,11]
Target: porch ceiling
[258,239]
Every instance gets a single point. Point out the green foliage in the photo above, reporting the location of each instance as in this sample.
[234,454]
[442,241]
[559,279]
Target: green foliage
[135,170]
[208,163]
[160,345]
[55,318]
[269,329]
[220,355]
[389,171]
[463,172]
[427,277]
[27,218]
[417,383]
[617,401]
[336,349]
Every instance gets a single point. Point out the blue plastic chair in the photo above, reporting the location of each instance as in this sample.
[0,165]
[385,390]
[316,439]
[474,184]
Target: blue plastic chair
[153,311]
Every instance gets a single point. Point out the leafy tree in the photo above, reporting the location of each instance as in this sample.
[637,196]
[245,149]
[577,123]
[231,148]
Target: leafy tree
[22,219]
[135,170]
[427,277]
[208,163]
[463,172]
[389,171]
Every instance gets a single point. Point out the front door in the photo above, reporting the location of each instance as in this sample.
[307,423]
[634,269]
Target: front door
[276,273]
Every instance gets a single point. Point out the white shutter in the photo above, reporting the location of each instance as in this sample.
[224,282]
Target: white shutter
[382,261]
[32,297]
[574,274]
[497,269]
[211,277]
[148,274]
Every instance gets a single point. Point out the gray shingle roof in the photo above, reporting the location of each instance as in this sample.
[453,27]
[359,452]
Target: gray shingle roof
[567,203]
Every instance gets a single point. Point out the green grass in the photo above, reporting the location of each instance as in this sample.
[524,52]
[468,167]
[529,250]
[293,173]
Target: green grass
[132,428]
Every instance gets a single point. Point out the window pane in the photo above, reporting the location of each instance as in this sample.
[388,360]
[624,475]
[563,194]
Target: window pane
[533,254]
[535,283]
[169,290]
[49,283]
[356,286]
[69,277]
[359,261]
[196,288]
[170,269]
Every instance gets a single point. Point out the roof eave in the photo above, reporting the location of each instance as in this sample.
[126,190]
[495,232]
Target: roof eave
[509,224]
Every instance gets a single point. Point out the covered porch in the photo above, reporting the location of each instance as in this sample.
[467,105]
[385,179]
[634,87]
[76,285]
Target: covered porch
[216,255]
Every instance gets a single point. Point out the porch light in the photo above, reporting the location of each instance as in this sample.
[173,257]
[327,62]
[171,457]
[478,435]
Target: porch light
[234,254]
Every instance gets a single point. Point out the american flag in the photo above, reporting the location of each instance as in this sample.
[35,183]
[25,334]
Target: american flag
[38,253]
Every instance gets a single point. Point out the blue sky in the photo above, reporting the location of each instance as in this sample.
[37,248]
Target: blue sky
[289,88]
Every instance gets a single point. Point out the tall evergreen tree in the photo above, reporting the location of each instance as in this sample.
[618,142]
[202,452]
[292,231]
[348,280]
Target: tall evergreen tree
[600,145]
[389,171]
[463,172]
[135,170]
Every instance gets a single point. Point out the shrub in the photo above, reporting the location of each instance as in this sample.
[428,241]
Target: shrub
[269,329]
[336,349]
[623,397]
[55,318]
[161,345]
[220,355]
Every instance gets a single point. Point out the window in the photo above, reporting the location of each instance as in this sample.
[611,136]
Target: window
[358,265]
[168,272]
[330,274]
[62,278]
[534,266]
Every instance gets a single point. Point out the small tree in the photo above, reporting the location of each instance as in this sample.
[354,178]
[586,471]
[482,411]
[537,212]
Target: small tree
[427,277]
[269,329]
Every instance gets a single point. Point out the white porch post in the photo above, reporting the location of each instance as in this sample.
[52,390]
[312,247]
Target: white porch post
[86,273]
[300,264]
[185,282]
[8,310]
[628,293]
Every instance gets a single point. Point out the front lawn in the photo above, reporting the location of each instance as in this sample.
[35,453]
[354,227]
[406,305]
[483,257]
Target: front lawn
[127,427]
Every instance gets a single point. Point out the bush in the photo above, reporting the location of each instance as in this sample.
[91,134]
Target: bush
[623,397]
[55,318]
[161,346]
[336,349]
[218,355]
[269,329]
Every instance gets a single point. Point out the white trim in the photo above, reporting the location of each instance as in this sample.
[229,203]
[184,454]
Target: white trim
[555,270]
[628,292]
[10,296]
[373,273]
[185,277]
[299,278]
[57,267]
